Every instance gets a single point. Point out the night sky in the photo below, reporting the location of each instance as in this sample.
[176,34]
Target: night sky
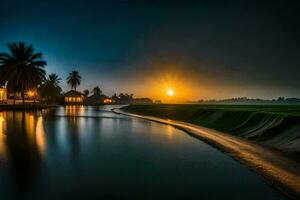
[202,49]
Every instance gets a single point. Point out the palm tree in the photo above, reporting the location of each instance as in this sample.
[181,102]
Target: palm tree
[74,79]
[50,89]
[54,79]
[22,68]
[97,90]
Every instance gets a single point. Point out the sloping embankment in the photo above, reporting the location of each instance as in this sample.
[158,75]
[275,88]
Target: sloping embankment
[280,171]
[277,127]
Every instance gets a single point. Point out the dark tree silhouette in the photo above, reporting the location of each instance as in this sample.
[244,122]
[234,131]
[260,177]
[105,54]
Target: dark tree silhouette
[50,90]
[74,79]
[86,92]
[97,90]
[22,68]
[125,98]
[115,98]
[54,79]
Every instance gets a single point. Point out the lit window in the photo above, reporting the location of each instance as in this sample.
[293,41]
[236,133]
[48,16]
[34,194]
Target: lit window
[107,100]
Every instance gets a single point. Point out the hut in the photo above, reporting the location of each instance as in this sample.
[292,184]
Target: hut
[3,94]
[73,97]
[97,99]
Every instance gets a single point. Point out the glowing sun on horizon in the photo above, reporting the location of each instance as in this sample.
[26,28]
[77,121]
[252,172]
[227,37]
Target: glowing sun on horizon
[170,92]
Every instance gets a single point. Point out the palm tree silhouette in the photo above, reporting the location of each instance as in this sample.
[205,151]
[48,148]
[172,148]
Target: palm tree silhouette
[22,68]
[54,79]
[50,90]
[97,90]
[74,79]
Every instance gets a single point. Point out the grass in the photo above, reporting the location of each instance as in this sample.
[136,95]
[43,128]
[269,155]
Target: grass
[254,122]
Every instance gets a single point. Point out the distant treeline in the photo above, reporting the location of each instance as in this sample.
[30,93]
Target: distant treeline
[245,100]
[129,99]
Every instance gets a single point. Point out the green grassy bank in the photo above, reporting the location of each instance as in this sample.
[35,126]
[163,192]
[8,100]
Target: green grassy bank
[276,126]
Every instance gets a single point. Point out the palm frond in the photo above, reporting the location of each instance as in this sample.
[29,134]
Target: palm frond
[22,67]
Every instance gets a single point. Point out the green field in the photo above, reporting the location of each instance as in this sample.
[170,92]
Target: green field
[277,125]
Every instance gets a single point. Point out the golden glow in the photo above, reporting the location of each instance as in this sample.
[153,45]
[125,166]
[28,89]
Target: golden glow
[34,133]
[2,137]
[30,125]
[30,93]
[3,94]
[74,99]
[169,87]
[74,110]
[189,84]
[170,92]
[164,76]
[169,131]
[40,136]
[107,101]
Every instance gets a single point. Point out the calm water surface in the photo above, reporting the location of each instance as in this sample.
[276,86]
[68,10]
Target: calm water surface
[89,152]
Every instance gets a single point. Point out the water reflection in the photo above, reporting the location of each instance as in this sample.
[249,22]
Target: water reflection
[22,140]
[92,153]
[74,110]
[73,127]
[2,138]
[169,131]
[40,136]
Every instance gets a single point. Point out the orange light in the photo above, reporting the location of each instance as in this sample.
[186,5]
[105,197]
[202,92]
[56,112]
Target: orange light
[170,92]
[107,101]
[30,93]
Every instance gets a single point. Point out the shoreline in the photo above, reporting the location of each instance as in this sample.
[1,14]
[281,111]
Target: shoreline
[279,171]
[20,107]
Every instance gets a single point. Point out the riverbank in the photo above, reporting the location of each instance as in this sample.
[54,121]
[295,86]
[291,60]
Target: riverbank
[277,127]
[12,107]
[280,171]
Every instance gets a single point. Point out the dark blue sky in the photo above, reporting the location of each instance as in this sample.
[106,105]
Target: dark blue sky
[217,48]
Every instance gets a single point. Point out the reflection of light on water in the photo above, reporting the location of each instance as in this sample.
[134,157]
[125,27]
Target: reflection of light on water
[30,125]
[33,128]
[169,130]
[2,136]
[70,110]
[73,110]
[81,109]
[40,136]
[35,131]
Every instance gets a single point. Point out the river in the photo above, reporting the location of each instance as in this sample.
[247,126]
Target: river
[77,152]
